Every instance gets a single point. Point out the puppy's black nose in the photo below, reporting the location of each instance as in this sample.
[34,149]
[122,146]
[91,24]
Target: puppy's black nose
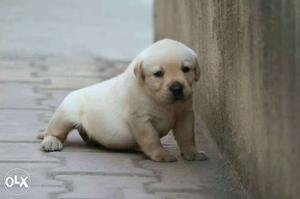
[177,90]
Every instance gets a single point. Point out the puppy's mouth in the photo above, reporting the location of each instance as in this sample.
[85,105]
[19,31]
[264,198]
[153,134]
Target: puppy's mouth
[178,97]
[171,98]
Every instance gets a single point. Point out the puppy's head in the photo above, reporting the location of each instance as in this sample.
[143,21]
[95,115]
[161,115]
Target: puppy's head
[167,70]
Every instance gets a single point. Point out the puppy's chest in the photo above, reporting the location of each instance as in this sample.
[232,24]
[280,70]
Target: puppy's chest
[163,123]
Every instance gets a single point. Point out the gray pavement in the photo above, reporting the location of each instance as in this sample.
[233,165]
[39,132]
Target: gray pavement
[103,28]
[35,75]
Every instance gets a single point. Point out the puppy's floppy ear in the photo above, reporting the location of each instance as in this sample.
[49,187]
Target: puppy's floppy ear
[197,67]
[138,71]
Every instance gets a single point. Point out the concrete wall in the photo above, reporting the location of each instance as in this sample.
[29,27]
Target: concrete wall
[249,93]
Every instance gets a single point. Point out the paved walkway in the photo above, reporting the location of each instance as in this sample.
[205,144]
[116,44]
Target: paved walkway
[46,51]
[30,92]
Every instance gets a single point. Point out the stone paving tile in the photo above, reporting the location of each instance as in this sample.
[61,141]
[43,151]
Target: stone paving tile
[63,73]
[185,178]
[9,63]
[19,96]
[54,98]
[60,69]
[24,152]
[89,69]
[32,193]
[200,195]
[91,186]
[101,163]
[70,82]
[14,71]
[139,194]
[20,124]
[39,172]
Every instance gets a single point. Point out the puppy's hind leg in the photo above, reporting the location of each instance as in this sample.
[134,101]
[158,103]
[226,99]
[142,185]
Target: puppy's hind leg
[58,129]
[85,136]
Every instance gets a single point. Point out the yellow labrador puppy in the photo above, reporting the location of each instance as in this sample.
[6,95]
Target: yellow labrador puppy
[137,107]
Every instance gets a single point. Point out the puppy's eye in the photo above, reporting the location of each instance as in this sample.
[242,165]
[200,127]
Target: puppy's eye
[185,69]
[158,73]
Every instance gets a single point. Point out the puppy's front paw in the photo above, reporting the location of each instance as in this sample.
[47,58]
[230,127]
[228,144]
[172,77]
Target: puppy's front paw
[194,156]
[163,156]
[51,143]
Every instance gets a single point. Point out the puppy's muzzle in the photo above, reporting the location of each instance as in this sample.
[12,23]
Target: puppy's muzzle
[177,91]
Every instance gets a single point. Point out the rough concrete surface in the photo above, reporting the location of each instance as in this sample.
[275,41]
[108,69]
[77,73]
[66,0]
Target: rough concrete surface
[44,56]
[249,92]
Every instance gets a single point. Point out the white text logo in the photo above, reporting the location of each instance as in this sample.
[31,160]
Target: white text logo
[17,181]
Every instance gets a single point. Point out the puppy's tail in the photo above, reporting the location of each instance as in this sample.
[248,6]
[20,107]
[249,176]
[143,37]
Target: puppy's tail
[40,136]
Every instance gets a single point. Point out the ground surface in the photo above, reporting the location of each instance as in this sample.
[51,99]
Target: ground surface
[111,29]
[33,81]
